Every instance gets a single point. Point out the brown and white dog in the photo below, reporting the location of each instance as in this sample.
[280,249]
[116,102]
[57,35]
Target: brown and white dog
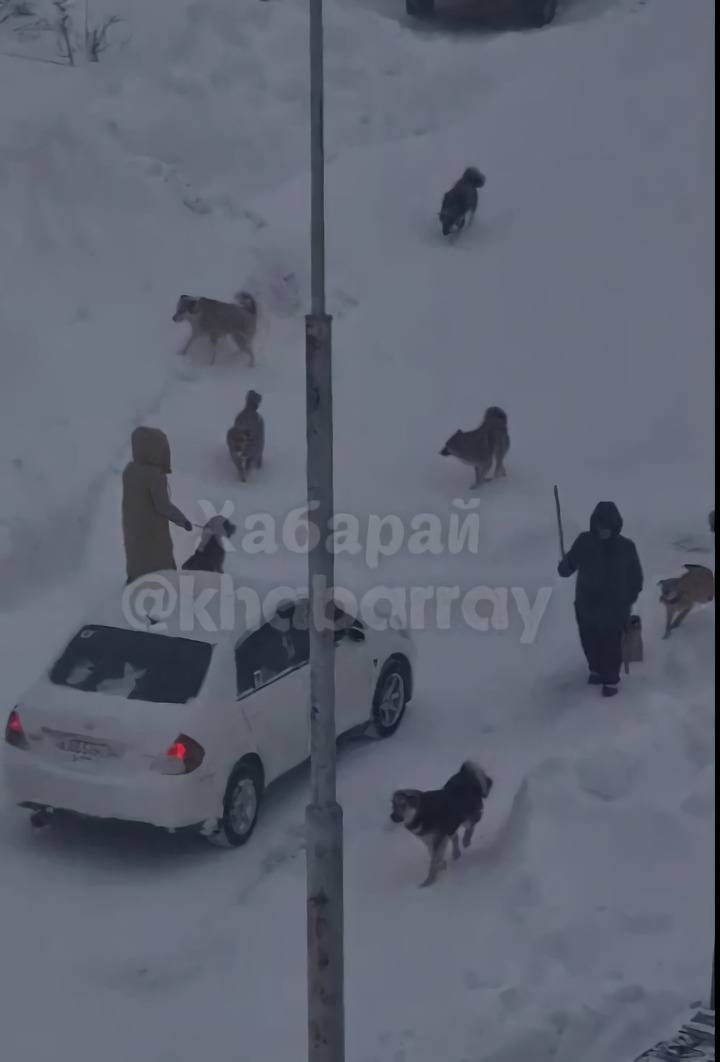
[479,448]
[682,594]
[436,815]
[246,439]
[215,320]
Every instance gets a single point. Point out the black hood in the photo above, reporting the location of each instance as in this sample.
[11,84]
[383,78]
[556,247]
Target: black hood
[606,515]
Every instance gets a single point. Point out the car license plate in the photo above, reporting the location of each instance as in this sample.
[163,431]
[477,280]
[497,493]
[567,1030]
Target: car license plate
[84,750]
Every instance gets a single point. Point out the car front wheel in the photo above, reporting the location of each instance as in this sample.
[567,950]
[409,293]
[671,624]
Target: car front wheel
[420,8]
[390,700]
[241,806]
[536,13]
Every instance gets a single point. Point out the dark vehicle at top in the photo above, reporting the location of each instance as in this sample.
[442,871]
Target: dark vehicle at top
[527,13]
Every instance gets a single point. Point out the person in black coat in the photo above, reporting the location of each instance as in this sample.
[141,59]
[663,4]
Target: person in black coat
[609,581]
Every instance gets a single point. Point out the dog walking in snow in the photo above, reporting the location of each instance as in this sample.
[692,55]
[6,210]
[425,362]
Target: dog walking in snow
[682,594]
[210,554]
[246,439]
[460,203]
[436,815]
[479,448]
[215,320]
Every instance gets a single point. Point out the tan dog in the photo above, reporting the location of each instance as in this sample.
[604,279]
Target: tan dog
[208,317]
[682,594]
[490,442]
[246,438]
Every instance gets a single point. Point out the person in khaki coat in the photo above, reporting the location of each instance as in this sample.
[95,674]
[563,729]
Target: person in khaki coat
[146,505]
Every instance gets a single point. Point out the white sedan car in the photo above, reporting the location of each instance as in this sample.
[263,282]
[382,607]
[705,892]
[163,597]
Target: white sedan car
[185,729]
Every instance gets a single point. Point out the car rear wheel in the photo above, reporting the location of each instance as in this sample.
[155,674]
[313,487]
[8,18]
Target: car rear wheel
[420,8]
[241,806]
[536,13]
[390,700]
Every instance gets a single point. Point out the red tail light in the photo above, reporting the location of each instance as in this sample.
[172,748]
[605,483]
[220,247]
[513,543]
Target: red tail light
[183,756]
[14,733]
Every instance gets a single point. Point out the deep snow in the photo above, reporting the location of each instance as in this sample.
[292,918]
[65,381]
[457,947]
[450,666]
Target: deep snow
[579,927]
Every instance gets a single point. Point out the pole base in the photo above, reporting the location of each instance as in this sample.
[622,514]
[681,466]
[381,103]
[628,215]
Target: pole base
[326,1018]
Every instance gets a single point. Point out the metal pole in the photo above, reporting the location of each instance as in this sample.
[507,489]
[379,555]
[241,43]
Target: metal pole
[317,161]
[323,816]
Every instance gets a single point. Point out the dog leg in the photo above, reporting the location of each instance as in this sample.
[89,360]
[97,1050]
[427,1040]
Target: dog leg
[437,861]
[469,831]
[244,347]
[481,472]
[679,618]
[668,624]
[213,351]
[455,846]
[187,346]
[500,466]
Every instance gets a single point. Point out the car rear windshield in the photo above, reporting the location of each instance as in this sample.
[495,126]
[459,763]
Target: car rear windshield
[136,665]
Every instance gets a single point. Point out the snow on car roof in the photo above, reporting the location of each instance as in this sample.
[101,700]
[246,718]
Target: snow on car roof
[203,606]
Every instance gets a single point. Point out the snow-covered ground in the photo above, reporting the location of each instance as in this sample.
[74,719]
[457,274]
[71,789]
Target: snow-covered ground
[579,927]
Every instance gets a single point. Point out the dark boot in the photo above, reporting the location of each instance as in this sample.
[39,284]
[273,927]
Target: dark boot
[594,679]
[609,691]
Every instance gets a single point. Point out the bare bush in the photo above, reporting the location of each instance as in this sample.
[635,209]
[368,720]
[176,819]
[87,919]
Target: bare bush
[96,41]
[90,39]
[15,9]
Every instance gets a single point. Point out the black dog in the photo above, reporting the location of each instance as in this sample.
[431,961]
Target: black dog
[210,554]
[460,203]
[435,816]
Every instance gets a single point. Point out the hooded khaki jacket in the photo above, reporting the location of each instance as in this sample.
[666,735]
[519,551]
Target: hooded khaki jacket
[146,505]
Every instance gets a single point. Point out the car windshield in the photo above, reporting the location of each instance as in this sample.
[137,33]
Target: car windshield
[136,665]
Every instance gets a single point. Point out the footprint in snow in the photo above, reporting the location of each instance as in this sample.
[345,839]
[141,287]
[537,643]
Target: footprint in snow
[645,923]
[174,970]
[608,775]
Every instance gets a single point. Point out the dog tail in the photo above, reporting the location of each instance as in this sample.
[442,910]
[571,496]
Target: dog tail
[478,775]
[245,299]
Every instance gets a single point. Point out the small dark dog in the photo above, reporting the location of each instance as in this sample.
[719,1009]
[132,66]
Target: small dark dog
[246,438]
[435,816]
[210,554]
[460,203]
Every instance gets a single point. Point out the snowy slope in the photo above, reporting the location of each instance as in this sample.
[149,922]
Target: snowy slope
[579,926]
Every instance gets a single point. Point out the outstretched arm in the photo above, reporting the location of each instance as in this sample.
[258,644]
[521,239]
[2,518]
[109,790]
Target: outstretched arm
[569,564]
[163,505]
